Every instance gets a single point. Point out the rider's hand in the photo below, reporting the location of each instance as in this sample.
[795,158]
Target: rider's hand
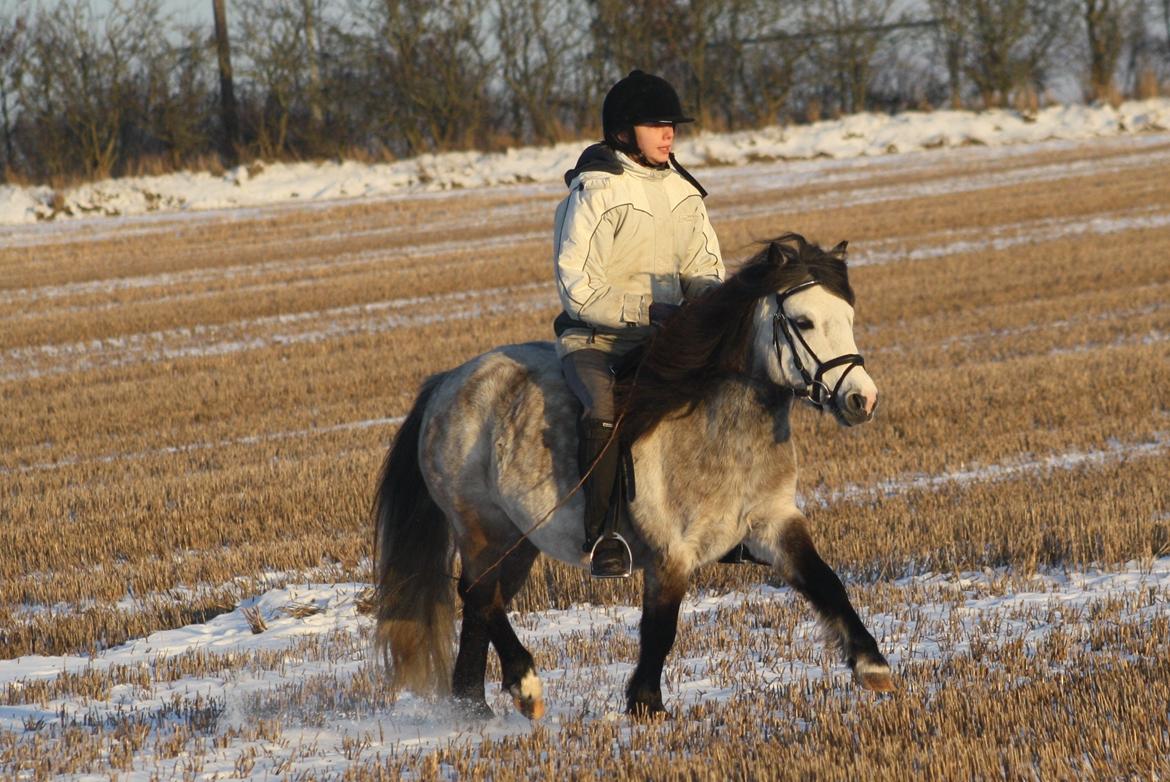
[660,312]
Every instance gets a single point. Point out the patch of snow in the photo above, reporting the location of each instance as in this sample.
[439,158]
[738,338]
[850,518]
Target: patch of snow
[1117,451]
[855,136]
[243,676]
[204,341]
[1004,237]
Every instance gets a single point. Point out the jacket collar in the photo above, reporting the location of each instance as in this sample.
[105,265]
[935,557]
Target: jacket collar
[631,166]
[601,158]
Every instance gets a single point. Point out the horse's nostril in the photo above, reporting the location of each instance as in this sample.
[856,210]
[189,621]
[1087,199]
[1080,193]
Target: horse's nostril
[855,402]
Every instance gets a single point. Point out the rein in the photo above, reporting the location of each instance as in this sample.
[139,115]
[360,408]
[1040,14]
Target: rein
[815,392]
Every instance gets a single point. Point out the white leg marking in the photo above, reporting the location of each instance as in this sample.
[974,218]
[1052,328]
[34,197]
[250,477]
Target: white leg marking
[864,667]
[530,687]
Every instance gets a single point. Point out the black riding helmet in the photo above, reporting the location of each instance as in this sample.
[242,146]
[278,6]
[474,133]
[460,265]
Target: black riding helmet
[642,99]
[638,99]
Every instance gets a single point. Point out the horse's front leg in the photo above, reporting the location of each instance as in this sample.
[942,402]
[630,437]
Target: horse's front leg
[796,560]
[662,593]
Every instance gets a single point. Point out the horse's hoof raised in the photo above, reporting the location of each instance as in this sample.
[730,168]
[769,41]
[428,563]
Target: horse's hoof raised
[874,676]
[532,708]
[528,696]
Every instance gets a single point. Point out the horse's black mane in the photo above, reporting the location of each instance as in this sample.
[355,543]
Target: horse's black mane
[710,338]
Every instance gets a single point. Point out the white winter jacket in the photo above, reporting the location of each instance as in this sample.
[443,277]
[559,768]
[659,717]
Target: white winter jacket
[623,241]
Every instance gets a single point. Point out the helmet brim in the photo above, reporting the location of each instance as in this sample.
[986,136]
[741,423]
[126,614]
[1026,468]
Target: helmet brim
[662,120]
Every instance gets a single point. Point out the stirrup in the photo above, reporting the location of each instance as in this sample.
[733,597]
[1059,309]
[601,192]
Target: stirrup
[624,569]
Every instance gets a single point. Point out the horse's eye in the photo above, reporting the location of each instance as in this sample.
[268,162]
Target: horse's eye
[804,324]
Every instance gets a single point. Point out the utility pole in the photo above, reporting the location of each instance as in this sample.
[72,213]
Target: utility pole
[227,94]
[313,47]
[1166,18]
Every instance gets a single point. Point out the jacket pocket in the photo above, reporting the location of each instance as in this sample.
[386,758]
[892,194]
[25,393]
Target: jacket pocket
[633,309]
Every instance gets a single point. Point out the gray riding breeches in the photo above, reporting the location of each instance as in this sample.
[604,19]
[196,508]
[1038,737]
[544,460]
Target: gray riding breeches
[590,377]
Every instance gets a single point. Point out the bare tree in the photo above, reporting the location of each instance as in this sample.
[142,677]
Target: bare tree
[275,70]
[182,110]
[756,81]
[1144,55]
[1009,44]
[428,71]
[227,92]
[13,29]
[83,93]
[950,43]
[847,35]
[757,62]
[540,56]
[1104,20]
[94,94]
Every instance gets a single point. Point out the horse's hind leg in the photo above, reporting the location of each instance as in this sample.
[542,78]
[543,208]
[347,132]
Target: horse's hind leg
[519,669]
[797,561]
[471,662]
[487,586]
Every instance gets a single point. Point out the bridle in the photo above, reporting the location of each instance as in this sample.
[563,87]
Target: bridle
[815,392]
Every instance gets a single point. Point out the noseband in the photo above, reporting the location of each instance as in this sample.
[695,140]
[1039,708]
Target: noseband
[815,392]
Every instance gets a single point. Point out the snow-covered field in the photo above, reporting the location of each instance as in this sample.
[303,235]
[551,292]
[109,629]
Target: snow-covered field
[311,675]
[850,137]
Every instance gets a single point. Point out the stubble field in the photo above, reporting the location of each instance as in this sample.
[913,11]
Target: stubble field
[195,409]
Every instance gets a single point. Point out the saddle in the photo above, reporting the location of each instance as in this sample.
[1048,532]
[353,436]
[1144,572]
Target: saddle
[625,488]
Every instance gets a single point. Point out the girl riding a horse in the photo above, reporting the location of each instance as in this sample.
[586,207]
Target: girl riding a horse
[483,471]
[631,243]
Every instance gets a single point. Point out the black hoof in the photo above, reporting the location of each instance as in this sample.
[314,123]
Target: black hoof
[473,709]
[645,705]
[648,712]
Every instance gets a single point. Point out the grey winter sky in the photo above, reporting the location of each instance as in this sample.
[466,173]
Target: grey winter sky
[190,11]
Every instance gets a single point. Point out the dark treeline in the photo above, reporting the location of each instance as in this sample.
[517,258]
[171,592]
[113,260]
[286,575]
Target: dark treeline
[86,95]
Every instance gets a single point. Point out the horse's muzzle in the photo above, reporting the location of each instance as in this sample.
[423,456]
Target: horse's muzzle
[857,409]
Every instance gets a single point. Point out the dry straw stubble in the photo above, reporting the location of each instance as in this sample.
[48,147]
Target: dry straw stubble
[230,420]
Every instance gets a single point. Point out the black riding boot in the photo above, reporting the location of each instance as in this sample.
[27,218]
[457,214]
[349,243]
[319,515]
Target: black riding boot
[610,553]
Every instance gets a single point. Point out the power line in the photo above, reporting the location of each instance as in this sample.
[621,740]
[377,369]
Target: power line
[782,35]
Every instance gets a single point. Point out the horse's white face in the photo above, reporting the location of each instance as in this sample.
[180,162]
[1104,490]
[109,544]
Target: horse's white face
[825,322]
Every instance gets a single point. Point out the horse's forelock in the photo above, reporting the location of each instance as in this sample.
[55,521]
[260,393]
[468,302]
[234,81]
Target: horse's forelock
[794,260]
[791,259]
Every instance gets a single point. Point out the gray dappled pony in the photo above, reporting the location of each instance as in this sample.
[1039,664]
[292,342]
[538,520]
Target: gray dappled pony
[484,466]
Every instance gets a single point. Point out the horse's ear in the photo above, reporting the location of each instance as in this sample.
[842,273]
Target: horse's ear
[776,256]
[839,250]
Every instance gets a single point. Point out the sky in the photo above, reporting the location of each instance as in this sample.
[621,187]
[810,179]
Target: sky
[189,11]
[192,11]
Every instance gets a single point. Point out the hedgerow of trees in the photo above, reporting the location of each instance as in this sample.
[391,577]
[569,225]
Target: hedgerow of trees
[129,90]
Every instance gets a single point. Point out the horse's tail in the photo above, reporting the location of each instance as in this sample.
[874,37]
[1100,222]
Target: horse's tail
[412,543]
